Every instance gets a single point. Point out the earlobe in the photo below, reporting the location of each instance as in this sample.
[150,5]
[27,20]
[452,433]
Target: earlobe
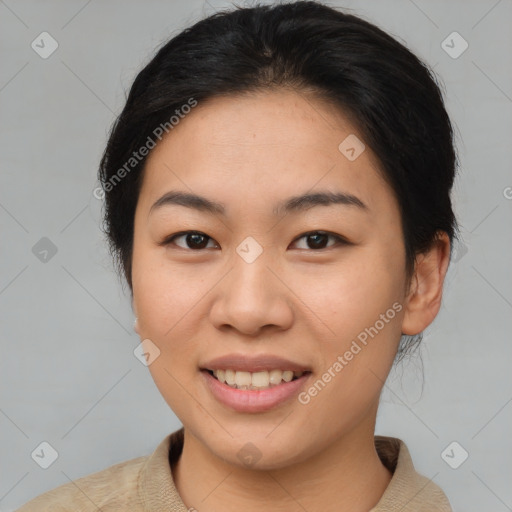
[426,290]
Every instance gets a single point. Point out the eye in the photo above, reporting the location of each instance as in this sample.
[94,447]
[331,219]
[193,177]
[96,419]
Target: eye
[194,240]
[318,239]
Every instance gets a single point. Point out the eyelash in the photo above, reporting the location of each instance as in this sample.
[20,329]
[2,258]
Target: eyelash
[339,239]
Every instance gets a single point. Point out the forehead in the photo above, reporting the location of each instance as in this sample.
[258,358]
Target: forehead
[262,147]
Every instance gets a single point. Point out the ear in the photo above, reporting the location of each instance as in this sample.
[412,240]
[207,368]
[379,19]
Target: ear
[423,300]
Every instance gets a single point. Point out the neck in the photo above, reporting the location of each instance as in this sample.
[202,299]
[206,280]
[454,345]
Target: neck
[348,476]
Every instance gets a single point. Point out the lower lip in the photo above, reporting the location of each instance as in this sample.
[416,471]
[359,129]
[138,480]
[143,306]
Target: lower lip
[247,400]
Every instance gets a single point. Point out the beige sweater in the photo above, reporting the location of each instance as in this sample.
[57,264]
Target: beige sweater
[146,484]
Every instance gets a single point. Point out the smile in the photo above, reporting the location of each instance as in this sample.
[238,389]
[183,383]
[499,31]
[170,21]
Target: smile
[255,380]
[248,398]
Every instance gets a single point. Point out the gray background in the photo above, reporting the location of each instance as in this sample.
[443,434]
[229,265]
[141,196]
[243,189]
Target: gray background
[68,372]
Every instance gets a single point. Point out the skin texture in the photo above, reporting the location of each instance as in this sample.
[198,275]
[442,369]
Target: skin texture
[250,152]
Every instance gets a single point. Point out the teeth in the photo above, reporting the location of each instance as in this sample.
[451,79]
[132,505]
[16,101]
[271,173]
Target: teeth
[242,379]
[275,377]
[256,380]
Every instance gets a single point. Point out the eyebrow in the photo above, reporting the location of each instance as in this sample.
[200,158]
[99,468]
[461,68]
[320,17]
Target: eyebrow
[292,204]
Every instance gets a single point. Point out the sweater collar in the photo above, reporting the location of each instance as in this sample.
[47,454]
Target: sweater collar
[408,491]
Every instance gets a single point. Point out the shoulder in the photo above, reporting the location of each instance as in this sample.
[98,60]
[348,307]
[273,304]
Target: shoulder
[408,491]
[113,488]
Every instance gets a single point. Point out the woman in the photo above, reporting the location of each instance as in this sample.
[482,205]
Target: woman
[277,196]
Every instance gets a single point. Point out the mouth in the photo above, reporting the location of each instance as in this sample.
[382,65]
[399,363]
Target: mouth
[254,381]
[257,392]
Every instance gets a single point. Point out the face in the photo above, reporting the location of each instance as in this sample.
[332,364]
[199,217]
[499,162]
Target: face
[318,284]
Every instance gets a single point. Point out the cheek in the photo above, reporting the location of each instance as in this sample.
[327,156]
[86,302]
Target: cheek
[165,302]
[361,303]
[351,296]
[162,293]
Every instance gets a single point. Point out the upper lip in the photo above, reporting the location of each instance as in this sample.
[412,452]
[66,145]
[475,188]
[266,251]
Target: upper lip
[253,363]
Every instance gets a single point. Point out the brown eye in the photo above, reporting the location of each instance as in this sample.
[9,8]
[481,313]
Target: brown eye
[319,239]
[194,240]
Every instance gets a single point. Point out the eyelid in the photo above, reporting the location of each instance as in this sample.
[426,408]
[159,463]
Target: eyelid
[340,240]
[168,240]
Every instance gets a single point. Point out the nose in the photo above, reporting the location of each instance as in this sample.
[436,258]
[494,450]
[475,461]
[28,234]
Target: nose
[251,298]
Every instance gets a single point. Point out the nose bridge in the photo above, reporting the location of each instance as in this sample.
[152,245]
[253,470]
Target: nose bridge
[251,280]
[250,296]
